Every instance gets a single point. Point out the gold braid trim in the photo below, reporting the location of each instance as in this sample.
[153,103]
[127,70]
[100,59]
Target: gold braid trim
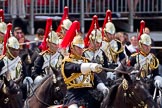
[120,50]
[70,80]
[154,63]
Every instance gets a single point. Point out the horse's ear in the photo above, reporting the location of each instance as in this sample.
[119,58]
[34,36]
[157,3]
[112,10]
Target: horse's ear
[55,71]
[1,83]
[6,81]
[128,78]
[127,51]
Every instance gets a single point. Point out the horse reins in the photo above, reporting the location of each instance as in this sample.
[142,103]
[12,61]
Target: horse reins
[35,96]
[131,96]
[114,70]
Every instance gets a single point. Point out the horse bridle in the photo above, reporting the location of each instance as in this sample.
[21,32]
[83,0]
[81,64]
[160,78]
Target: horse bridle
[131,96]
[33,92]
[6,99]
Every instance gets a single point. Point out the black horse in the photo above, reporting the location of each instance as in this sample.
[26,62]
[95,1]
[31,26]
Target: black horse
[128,94]
[28,57]
[11,95]
[49,92]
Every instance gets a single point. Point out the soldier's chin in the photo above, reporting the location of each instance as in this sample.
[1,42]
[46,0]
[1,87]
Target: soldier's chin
[147,52]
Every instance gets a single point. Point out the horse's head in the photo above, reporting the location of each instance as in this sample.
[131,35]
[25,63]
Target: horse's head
[136,94]
[60,86]
[50,91]
[11,94]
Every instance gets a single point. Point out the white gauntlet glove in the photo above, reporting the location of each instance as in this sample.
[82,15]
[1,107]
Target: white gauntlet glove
[88,67]
[158,81]
[38,79]
[101,87]
[27,80]
[111,75]
[95,67]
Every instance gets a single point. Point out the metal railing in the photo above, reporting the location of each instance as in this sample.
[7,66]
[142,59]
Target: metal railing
[85,9]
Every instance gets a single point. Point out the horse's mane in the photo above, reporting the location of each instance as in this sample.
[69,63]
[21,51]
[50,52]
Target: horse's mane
[112,96]
[42,82]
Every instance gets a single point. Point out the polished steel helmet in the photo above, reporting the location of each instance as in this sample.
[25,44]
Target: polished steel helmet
[78,41]
[53,37]
[145,39]
[110,28]
[96,35]
[3,27]
[66,24]
[12,42]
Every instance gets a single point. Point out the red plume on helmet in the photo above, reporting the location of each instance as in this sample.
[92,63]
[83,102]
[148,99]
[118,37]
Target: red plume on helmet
[65,15]
[43,45]
[142,26]
[94,25]
[71,33]
[7,35]
[2,14]
[107,19]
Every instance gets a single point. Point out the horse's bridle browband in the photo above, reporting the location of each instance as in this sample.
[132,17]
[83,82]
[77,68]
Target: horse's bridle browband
[136,100]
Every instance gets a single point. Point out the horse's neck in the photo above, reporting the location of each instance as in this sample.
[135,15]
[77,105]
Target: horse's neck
[46,90]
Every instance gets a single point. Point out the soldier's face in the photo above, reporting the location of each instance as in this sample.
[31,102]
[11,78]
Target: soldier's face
[53,47]
[146,48]
[63,31]
[98,45]
[77,50]
[14,52]
[95,45]
[109,36]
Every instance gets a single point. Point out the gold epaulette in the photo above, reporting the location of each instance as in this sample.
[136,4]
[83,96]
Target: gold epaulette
[121,49]
[67,59]
[1,57]
[118,41]
[134,54]
[43,52]
[85,59]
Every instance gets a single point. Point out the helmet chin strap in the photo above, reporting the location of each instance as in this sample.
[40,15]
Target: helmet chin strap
[74,52]
[142,49]
[10,54]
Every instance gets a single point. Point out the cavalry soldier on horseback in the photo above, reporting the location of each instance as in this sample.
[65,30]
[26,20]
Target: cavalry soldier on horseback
[64,24]
[93,42]
[63,28]
[3,28]
[112,47]
[79,75]
[144,61]
[50,57]
[11,65]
